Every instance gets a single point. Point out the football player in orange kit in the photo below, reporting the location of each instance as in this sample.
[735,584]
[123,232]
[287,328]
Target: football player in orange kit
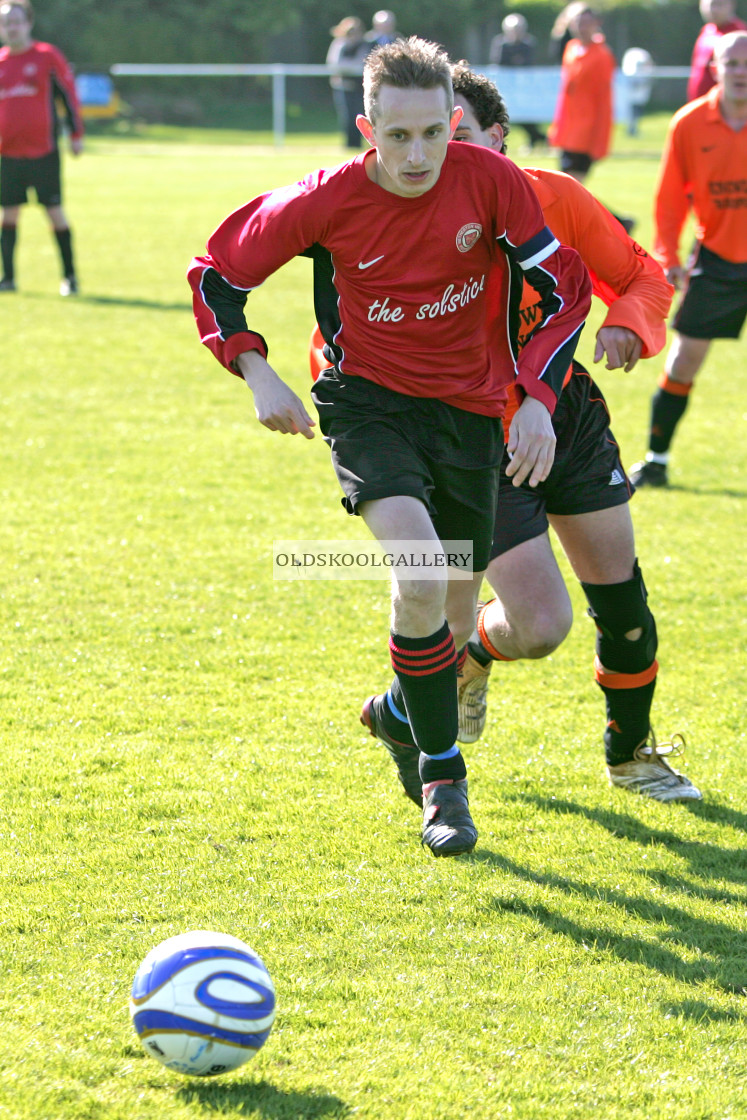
[704,167]
[584,498]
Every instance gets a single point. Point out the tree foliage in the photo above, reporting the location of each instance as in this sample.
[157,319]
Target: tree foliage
[96,35]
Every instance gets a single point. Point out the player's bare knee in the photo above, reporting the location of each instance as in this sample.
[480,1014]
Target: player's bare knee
[545,631]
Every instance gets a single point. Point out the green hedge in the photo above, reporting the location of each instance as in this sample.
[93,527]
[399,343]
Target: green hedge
[95,35]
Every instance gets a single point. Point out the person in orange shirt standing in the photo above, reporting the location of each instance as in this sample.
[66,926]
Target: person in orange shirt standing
[704,167]
[583,115]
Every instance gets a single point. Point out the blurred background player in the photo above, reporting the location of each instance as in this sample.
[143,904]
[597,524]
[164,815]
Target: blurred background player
[383,28]
[637,66]
[561,33]
[582,125]
[348,50]
[33,77]
[719,18]
[516,47]
[703,168]
[584,498]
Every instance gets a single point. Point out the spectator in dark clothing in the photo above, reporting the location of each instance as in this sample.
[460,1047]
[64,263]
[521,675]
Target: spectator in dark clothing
[383,28]
[348,50]
[516,47]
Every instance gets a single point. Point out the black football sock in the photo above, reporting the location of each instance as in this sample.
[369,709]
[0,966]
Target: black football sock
[667,409]
[447,767]
[625,668]
[426,671]
[7,249]
[478,652]
[65,242]
[391,712]
[628,714]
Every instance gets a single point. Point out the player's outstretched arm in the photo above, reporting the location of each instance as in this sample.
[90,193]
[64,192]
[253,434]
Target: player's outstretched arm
[623,274]
[277,406]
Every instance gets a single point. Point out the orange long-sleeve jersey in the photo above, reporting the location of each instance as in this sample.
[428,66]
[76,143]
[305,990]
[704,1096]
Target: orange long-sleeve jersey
[704,166]
[623,274]
[583,115]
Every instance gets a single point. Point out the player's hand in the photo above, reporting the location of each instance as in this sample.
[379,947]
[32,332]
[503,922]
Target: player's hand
[531,443]
[76,145]
[277,406]
[622,347]
[677,276]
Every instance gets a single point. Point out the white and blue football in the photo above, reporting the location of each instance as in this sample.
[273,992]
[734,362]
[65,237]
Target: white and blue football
[202,1003]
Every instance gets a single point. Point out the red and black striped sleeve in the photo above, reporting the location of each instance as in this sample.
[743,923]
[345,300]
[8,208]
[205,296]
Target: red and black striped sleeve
[561,280]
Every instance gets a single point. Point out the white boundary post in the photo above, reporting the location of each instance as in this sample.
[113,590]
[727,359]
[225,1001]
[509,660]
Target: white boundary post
[278,105]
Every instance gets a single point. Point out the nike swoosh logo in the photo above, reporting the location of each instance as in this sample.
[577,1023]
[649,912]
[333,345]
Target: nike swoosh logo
[369,263]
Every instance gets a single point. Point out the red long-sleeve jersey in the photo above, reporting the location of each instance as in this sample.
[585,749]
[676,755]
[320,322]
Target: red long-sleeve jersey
[409,278]
[31,82]
[701,79]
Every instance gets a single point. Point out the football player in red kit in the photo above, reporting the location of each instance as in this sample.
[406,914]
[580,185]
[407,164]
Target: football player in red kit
[410,406]
[33,77]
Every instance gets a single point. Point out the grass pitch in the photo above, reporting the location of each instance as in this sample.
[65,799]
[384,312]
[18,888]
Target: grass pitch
[181,746]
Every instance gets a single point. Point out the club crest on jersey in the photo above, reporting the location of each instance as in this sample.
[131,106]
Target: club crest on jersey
[468,236]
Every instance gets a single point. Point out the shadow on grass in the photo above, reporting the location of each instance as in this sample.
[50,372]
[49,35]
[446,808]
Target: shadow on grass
[150,304]
[719,814]
[700,1012]
[118,301]
[708,861]
[706,492]
[262,1098]
[719,948]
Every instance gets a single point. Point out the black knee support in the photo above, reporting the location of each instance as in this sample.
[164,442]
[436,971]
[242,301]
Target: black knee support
[618,608]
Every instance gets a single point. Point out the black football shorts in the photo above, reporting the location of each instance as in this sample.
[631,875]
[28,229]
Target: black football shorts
[18,175]
[715,302]
[587,474]
[575,161]
[384,444]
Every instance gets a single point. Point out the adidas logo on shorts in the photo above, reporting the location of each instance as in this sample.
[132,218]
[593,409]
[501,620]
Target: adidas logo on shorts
[616,478]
